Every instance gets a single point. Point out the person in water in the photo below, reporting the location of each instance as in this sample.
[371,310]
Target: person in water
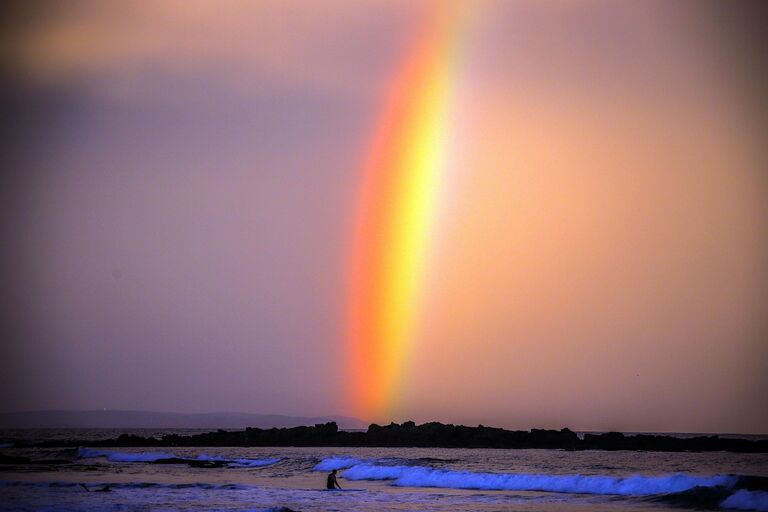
[332,482]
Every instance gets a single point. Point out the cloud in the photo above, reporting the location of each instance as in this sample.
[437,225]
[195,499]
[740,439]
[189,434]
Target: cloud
[330,46]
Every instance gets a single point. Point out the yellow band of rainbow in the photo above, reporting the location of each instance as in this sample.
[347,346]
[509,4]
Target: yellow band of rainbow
[397,199]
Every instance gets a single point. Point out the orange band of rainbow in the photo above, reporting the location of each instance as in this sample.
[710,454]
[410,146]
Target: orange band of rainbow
[395,213]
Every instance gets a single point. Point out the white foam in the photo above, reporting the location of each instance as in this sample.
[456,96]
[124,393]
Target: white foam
[376,472]
[747,500]
[88,453]
[239,463]
[253,463]
[637,485]
[332,463]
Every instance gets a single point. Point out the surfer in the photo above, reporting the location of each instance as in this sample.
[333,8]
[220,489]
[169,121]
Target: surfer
[332,482]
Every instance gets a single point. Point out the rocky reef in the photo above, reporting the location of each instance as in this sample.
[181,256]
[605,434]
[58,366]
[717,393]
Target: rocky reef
[433,434]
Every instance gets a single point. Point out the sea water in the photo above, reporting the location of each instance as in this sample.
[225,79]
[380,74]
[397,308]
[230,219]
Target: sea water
[376,479]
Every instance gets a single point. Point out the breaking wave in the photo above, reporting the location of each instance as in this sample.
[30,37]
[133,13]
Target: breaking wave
[87,453]
[637,485]
[244,463]
[332,463]
[747,500]
[710,498]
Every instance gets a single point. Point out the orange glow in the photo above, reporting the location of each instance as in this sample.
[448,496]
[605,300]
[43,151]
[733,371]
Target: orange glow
[397,200]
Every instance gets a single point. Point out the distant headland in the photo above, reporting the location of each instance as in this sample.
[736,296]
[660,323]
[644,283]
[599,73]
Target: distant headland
[123,419]
[429,435]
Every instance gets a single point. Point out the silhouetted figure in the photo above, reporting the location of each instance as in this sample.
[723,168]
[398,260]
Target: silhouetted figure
[332,482]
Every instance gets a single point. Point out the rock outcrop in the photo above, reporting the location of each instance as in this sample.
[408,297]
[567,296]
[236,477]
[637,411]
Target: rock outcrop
[432,434]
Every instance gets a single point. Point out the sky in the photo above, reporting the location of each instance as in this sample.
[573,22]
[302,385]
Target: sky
[190,187]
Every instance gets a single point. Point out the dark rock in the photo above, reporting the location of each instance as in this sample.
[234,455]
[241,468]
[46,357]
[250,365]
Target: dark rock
[9,459]
[428,435]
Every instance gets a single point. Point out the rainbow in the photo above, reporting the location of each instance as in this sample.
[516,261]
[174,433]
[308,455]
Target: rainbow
[399,192]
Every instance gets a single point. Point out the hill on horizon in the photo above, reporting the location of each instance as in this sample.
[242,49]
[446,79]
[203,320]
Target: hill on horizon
[107,418]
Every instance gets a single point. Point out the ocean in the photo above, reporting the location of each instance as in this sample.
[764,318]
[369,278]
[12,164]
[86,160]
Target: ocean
[375,479]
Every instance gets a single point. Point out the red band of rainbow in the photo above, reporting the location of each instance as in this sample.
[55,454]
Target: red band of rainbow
[397,201]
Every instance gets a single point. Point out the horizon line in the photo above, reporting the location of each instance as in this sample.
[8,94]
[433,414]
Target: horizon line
[332,416]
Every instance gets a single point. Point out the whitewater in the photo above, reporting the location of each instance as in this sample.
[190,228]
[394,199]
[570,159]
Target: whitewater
[375,479]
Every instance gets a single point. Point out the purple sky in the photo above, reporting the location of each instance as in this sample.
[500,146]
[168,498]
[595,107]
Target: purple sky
[179,181]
